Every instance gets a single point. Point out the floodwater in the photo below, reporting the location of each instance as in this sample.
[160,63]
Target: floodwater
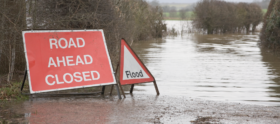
[201,79]
[229,67]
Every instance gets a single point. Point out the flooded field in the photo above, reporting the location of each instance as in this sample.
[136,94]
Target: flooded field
[201,78]
[229,67]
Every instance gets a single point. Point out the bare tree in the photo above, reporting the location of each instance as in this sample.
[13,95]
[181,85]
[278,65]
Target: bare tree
[183,13]
[271,27]
[130,19]
[3,12]
[221,17]
[12,22]
[256,13]
[172,12]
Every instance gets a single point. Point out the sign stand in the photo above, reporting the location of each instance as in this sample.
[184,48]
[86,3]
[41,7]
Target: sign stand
[130,64]
[131,89]
[118,83]
[102,92]
[155,84]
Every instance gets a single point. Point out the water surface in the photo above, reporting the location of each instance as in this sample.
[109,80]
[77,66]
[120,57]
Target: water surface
[224,68]
[229,67]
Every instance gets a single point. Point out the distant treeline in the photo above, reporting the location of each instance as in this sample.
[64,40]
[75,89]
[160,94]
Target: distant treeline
[270,34]
[216,16]
[130,19]
[262,3]
[174,11]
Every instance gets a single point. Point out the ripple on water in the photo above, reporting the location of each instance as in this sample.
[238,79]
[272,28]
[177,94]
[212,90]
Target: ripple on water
[228,67]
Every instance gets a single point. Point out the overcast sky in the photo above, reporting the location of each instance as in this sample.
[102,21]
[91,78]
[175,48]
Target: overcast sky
[193,1]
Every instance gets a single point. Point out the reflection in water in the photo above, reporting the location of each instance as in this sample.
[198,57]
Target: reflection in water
[228,67]
[64,111]
[272,62]
[90,110]
[217,67]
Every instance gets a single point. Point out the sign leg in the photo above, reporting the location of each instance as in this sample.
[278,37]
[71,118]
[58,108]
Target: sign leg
[122,90]
[131,89]
[112,87]
[120,97]
[24,78]
[155,83]
[115,76]
[103,90]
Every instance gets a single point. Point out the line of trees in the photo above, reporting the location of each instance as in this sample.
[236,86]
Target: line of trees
[270,33]
[173,12]
[262,3]
[131,19]
[216,16]
[12,21]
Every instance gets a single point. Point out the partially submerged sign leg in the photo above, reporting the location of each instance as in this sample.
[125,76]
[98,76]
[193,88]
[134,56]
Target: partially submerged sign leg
[103,90]
[112,87]
[119,91]
[155,83]
[131,89]
[122,90]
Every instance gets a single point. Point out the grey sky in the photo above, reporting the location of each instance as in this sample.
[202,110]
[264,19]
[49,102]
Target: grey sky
[193,1]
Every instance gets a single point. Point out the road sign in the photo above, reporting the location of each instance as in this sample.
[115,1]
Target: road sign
[67,59]
[132,70]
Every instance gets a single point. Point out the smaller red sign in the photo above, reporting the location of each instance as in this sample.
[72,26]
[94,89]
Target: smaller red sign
[132,70]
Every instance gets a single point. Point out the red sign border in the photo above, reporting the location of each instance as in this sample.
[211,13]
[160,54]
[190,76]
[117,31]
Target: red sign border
[140,61]
[44,31]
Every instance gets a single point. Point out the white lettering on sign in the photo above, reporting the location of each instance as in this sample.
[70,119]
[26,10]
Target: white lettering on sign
[46,79]
[78,75]
[60,61]
[71,43]
[69,75]
[132,69]
[69,78]
[79,60]
[69,61]
[63,43]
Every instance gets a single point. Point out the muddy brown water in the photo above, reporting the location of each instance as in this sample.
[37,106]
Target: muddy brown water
[229,67]
[201,78]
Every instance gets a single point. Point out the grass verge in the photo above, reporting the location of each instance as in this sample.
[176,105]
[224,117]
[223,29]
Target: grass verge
[189,15]
[12,92]
[264,11]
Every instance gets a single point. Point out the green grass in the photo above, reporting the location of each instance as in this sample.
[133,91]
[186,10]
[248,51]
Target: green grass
[12,91]
[166,15]
[177,5]
[264,11]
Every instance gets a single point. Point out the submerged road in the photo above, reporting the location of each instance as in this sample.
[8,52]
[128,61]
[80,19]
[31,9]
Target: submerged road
[137,109]
[202,79]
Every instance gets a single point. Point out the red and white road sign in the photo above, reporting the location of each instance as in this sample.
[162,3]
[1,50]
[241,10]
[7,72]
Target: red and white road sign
[67,59]
[132,70]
